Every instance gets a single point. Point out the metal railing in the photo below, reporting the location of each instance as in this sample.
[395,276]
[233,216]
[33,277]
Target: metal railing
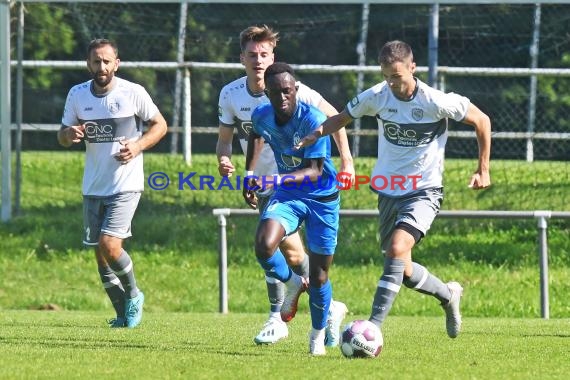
[541,216]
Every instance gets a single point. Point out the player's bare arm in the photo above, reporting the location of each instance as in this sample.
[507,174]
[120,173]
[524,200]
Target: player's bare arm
[331,125]
[481,179]
[341,141]
[254,146]
[224,150]
[68,136]
[132,148]
[312,170]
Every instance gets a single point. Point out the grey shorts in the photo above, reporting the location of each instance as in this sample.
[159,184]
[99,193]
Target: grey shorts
[417,209]
[110,215]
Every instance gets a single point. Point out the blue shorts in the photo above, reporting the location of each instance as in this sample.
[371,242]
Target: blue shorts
[321,217]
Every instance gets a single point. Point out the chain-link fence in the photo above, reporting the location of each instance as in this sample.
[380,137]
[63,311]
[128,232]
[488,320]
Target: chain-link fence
[484,36]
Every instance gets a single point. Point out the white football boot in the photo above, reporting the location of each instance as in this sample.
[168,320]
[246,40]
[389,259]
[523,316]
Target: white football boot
[452,313]
[272,331]
[295,287]
[317,342]
[337,312]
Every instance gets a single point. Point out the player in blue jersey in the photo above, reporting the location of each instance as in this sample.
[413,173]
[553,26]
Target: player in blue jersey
[412,124]
[305,191]
[237,101]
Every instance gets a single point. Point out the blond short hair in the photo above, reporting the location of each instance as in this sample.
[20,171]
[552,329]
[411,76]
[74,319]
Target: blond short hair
[256,33]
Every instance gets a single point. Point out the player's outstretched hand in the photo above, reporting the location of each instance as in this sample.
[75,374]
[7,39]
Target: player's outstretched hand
[310,139]
[480,180]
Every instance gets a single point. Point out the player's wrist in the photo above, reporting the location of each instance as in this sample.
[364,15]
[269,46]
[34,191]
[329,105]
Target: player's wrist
[319,132]
[68,135]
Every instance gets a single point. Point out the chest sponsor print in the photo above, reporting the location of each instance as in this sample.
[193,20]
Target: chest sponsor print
[291,161]
[413,134]
[109,130]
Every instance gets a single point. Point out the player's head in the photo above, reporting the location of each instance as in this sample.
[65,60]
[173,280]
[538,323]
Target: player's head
[102,61]
[398,67]
[281,89]
[257,44]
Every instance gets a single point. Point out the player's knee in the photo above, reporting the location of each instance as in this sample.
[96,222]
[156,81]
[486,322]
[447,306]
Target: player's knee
[293,257]
[396,249]
[110,247]
[263,250]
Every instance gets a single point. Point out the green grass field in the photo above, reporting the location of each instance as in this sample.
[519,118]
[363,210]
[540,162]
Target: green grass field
[68,345]
[175,253]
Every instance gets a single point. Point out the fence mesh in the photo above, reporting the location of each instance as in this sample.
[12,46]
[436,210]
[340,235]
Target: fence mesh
[496,35]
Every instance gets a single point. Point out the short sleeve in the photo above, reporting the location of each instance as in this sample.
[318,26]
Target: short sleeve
[225,112]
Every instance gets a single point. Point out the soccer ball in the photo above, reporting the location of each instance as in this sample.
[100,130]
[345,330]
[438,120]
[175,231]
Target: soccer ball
[361,339]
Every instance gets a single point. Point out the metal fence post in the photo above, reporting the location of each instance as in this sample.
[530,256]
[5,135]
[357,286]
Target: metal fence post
[543,261]
[223,259]
[5,112]
[540,215]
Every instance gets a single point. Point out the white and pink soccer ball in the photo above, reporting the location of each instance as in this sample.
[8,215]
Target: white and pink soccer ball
[361,339]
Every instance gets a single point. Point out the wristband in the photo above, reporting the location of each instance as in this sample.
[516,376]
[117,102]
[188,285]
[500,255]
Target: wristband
[249,173]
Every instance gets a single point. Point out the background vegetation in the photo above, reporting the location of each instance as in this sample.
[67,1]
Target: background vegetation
[176,240]
[495,35]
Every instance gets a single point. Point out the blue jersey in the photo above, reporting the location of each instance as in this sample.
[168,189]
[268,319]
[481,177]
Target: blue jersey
[282,139]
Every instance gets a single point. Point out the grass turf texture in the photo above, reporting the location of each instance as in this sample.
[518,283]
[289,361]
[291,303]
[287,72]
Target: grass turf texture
[175,253]
[176,240]
[213,346]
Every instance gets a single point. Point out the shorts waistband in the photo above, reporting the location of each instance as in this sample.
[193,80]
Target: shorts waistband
[328,198]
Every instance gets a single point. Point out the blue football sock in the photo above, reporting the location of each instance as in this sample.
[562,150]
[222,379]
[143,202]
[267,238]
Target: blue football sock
[319,303]
[276,266]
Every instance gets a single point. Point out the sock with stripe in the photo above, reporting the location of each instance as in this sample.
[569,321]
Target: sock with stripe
[387,290]
[123,269]
[114,289]
[425,282]
[276,294]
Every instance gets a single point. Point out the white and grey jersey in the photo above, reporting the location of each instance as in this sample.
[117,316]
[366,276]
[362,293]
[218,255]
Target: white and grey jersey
[411,135]
[109,119]
[235,106]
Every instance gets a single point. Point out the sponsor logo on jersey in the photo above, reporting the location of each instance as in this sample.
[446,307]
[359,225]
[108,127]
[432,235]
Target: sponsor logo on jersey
[88,109]
[392,110]
[96,132]
[109,130]
[245,109]
[291,161]
[413,134]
